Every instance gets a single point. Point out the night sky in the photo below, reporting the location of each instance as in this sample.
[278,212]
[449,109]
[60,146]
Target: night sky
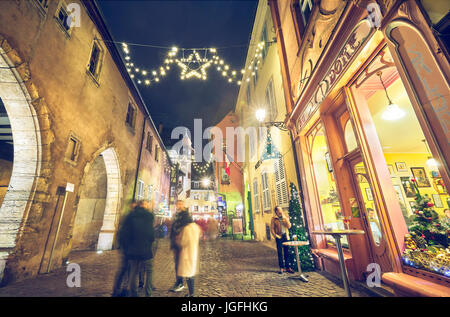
[173,102]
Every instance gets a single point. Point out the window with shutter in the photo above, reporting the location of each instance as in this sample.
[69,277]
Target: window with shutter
[149,193]
[270,101]
[281,184]
[266,192]
[140,190]
[255,195]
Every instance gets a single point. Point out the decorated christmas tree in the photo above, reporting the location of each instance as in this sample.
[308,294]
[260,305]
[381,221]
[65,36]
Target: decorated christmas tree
[427,241]
[298,230]
[426,227]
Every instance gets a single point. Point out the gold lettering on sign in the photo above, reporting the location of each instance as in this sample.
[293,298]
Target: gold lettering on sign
[350,49]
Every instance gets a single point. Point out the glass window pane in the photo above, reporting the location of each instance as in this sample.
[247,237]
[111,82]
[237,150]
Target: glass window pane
[326,187]
[406,151]
[367,200]
[349,135]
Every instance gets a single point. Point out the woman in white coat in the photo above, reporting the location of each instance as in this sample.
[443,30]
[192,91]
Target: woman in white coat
[187,242]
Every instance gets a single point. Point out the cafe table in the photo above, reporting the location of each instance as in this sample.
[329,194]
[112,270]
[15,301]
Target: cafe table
[296,244]
[337,234]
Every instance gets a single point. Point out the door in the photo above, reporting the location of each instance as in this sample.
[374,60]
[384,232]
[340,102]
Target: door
[368,208]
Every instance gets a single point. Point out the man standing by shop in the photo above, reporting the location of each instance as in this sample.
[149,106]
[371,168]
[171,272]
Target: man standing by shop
[136,237]
[279,228]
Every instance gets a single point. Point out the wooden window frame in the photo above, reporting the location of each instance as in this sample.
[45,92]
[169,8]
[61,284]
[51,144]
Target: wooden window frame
[156,153]
[149,144]
[297,17]
[42,6]
[131,125]
[62,6]
[72,158]
[99,64]
[271,100]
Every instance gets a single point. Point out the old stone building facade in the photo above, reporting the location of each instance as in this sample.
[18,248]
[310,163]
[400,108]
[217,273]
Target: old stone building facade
[76,136]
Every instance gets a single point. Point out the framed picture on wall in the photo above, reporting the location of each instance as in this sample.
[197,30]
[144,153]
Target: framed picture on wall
[398,190]
[437,201]
[420,177]
[369,194]
[391,170]
[407,187]
[360,172]
[401,166]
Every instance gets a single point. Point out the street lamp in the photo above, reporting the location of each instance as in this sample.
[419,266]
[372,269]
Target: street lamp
[261,115]
[206,182]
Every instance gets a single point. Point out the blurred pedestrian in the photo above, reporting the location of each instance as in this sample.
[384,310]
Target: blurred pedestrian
[175,229]
[187,242]
[142,267]
[212,229]
[279,228]
[136,237]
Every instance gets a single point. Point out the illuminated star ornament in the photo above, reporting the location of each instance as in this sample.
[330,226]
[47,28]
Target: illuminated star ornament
[192,66]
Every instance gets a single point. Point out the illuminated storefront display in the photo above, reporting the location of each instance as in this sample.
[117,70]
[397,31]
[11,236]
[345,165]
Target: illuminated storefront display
[372,129]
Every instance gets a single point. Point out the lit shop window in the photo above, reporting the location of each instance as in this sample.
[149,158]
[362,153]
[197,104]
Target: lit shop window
[325,182]
[406,150]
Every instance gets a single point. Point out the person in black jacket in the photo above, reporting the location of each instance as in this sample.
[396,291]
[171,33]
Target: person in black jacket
[136,236]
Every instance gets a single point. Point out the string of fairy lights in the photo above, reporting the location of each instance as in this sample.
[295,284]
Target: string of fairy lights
[193,64]
[201,168]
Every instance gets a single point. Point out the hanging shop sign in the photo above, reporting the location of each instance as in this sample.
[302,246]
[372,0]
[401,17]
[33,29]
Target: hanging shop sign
[349,51]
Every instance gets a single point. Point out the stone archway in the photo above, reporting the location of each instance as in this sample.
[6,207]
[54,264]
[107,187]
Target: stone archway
[24,127]
[98,205]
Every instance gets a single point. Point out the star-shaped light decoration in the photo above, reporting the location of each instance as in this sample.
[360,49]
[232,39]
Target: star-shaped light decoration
[194,66]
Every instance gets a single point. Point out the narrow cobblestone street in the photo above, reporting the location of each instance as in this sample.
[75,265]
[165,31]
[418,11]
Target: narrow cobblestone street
[227,269]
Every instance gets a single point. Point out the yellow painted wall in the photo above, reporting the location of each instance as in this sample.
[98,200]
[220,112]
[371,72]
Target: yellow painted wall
[415,160]
[268,70]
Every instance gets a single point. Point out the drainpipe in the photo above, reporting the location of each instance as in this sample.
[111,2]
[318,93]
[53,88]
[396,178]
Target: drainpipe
[139,161]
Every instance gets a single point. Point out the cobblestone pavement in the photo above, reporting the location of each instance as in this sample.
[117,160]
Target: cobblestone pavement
[227,269]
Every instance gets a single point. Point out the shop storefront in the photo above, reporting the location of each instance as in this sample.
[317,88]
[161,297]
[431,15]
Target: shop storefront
[372,139]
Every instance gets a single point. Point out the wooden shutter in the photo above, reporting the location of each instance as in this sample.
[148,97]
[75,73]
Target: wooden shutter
[266,192]
[281,184]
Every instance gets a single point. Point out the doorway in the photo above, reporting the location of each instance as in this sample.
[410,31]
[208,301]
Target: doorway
[369,212]
[98,205]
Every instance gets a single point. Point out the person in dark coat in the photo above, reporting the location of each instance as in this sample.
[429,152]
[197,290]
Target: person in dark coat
[136,237]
